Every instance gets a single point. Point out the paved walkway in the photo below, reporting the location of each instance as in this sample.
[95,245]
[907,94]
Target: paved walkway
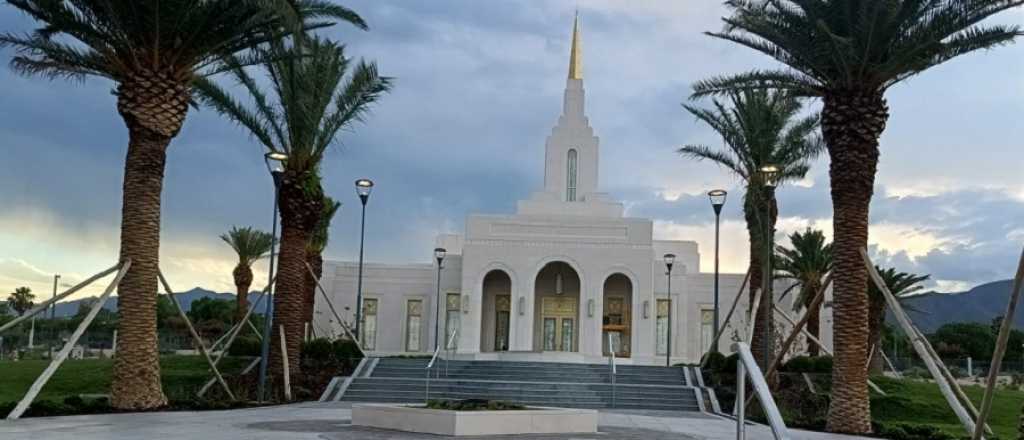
[330,421]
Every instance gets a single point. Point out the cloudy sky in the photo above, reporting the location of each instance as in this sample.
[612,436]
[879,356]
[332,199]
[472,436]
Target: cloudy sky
[478,87]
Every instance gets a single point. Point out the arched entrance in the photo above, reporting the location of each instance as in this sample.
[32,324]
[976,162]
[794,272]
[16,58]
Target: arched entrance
[617,318]
[556,309]
[496,312]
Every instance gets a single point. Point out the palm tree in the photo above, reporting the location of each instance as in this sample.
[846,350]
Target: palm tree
[316,97]
[805,263]
[902,285]
[314,253]
[21,300]
[250,244]
[760,128]
[154,52]
[849,53]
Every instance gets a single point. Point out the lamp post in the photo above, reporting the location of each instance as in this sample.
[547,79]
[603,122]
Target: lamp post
[53,307]
[670,259]
[363,189]
[717,198]
[770,179]
[275,164]
[439,254]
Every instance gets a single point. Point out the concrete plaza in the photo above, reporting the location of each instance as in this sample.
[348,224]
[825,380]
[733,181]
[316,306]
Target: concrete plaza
[330,421]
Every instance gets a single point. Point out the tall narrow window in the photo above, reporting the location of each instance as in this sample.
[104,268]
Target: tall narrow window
[661,327]
[413,321]
[707,328]
[570,186]
[452,308]
[369,328]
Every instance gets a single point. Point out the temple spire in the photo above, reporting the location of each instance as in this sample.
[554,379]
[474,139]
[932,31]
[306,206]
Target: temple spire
[576,54]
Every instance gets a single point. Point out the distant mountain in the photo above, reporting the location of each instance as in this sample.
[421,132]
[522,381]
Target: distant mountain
[70,308]
[981,304]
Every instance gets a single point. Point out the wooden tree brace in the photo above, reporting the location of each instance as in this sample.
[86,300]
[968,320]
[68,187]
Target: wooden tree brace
[725,323]
[915,338]
[42,306]
[195,336]
[330,305]
[1001,341]
[40,382]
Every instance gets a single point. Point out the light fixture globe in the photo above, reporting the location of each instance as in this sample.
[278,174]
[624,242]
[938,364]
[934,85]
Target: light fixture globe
[363,188]
[770,174]
[717,197]
[670,259]
[439,254]
[275,161]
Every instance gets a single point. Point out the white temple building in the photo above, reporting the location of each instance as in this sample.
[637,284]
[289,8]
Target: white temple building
[558,280]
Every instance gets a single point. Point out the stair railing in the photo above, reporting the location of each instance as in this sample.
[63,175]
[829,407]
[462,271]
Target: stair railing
[611,366]
[430,366]
[448,349]
[747,366]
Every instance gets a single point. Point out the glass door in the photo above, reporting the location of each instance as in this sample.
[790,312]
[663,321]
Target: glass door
[502,308]
[558,324]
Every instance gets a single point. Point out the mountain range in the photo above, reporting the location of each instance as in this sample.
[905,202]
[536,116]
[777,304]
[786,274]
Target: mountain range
[69,308]
[931,310]
[981,304]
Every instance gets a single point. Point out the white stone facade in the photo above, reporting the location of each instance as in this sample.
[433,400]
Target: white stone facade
[550,282]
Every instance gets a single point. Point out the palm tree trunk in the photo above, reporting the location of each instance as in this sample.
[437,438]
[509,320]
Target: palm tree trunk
[764,325]
[243,280]
[289,299]
[300,210]
[136,375]
[316,261]
[876,319]
[153,106]
[756,278]
[852,121]
[814,328]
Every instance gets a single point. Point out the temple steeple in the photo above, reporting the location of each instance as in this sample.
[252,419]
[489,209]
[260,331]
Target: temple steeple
[576,53]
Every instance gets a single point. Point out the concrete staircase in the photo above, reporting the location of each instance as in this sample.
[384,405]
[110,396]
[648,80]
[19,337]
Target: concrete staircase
[532,383]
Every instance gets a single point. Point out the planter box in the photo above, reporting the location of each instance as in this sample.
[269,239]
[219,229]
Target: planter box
[533,420]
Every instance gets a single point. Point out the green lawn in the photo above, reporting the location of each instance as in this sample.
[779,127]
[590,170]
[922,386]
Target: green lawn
[181,375]
[921,403]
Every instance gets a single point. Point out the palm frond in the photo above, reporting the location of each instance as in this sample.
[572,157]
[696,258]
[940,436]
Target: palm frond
[249,243]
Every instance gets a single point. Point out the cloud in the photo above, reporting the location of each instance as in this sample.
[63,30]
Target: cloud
[478,87]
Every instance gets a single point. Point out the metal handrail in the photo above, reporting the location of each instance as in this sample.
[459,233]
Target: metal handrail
[448,348]
[611,365]
[747,366]
[430,365]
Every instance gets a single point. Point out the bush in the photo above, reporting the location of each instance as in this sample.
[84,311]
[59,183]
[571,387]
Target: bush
[319,350]
[346,349]
[909,431]
[473,405]
[715,361]
[245,346]
[917,373]
[808,364]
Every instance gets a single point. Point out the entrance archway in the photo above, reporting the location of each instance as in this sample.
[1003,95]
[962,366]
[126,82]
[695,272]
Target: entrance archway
[556,308]
[617,317]
[496,312]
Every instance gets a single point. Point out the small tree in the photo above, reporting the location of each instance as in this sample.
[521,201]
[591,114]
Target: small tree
[21,300]
[806,263]
[902,285]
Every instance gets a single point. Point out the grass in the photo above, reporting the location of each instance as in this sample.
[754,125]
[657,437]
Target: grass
[921,403]
[180,375]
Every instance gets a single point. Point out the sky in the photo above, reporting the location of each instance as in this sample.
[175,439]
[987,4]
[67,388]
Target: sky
[478,87]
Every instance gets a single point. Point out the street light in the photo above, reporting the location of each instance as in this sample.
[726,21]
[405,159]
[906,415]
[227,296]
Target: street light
[770,178]
[439,254]
[53,307]
[670,259]
[275,165]
[717,197]
[363,189]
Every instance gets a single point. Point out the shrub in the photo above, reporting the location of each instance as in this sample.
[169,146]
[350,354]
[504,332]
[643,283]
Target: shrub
[808,364]
[319,350]
[715,361]
[473,405]
[346,349]
[910,431]
[245,346]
